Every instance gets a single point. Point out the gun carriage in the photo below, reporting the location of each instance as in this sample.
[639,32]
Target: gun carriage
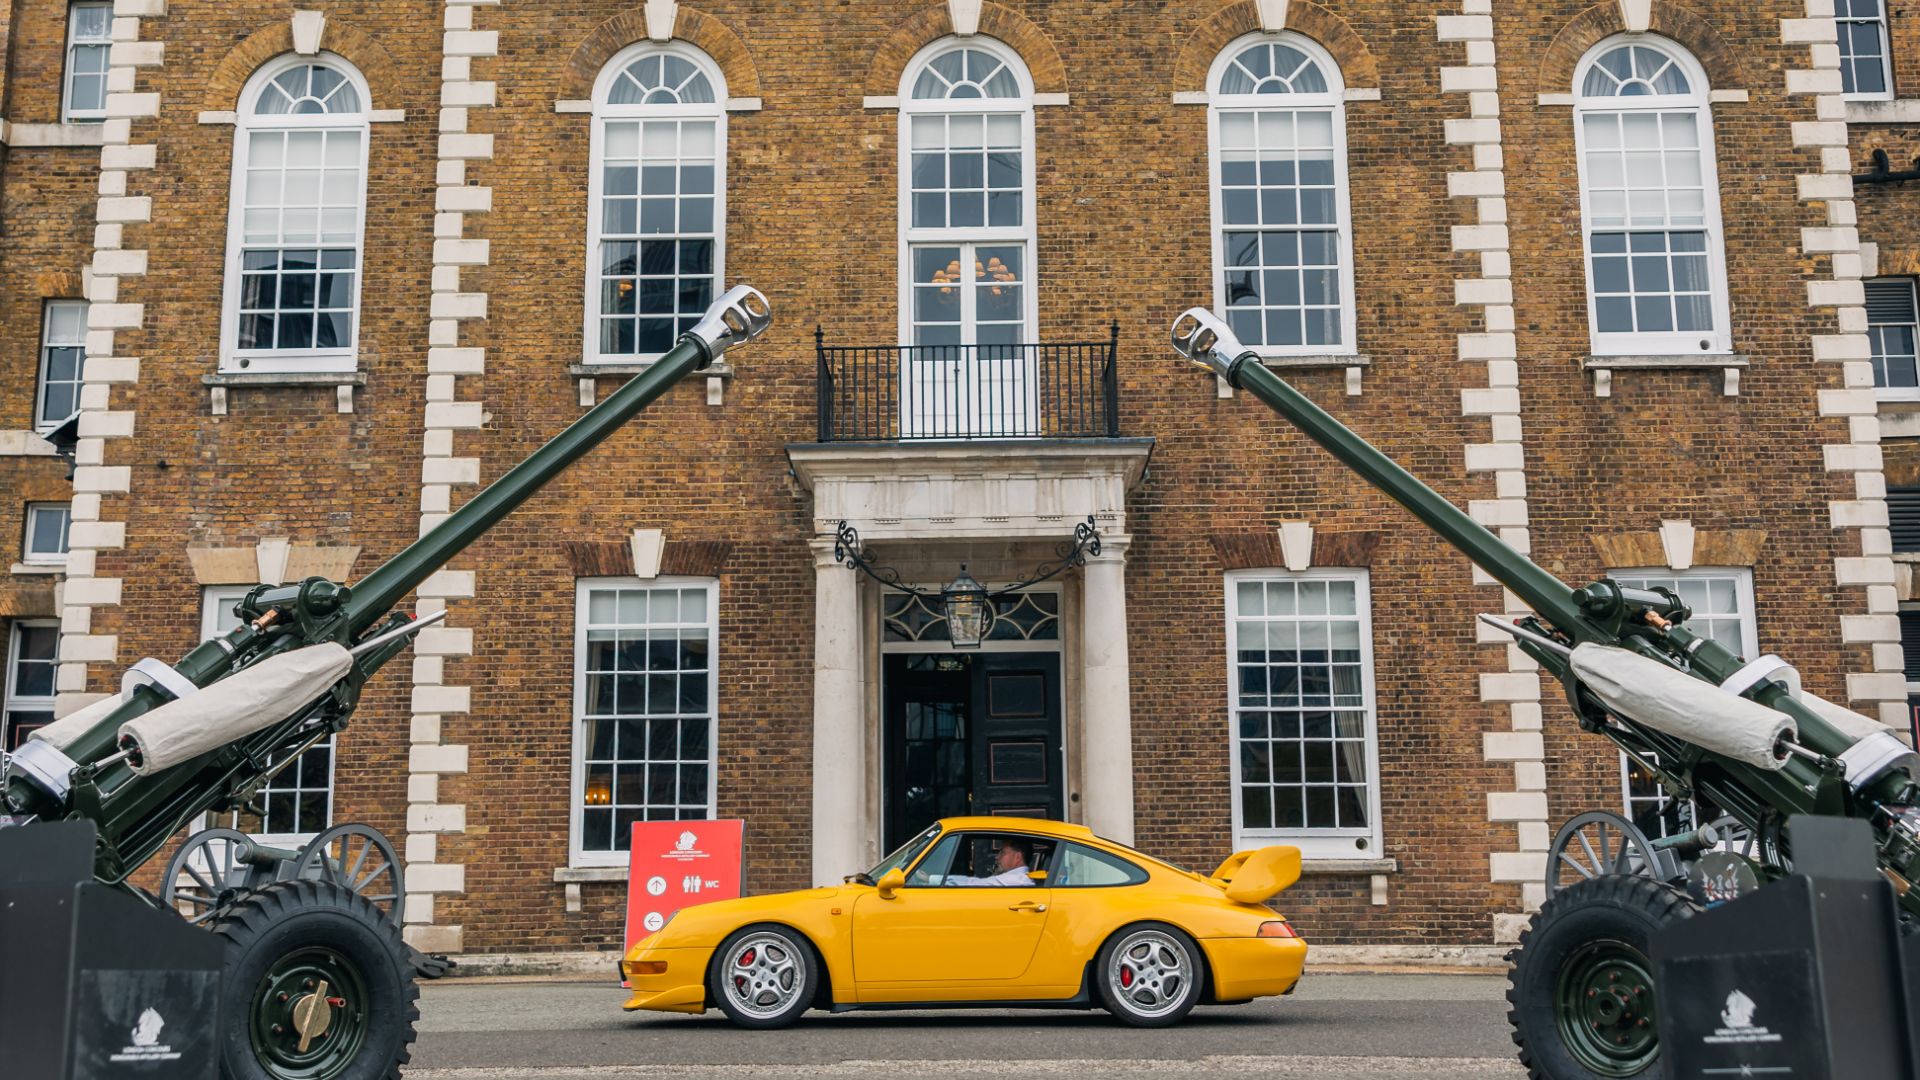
[318,983]
[1738,734]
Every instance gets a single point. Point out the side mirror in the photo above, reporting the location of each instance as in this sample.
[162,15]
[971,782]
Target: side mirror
[890,883]
[1038,877]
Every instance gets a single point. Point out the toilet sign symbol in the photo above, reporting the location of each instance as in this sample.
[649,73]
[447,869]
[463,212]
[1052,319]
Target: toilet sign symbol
[656,885]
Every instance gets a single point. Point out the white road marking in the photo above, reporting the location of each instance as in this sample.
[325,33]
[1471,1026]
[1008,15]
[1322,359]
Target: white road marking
[1248,1065]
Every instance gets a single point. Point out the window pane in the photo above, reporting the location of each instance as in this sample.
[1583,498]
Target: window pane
[659,766]
[658,179]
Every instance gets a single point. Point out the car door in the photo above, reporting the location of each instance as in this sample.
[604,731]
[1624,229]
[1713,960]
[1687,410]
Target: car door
[1094,892]
[934,942]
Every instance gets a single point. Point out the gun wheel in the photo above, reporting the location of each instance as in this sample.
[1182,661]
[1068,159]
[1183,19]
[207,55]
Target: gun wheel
[359,859]
[1581,996]
[209,872]
[318,986]
[1595,844]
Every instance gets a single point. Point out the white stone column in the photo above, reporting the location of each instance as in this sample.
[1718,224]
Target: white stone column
[839,741]
[1106,796]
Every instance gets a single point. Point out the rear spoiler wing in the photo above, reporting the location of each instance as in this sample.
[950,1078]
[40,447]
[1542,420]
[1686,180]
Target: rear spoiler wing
[1258,874]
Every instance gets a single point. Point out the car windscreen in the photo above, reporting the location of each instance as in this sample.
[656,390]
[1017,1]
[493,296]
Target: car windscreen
[904,854]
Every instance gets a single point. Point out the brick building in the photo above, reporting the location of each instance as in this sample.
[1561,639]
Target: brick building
[312,272]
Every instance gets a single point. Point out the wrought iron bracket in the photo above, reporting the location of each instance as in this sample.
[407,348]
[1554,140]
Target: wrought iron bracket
[1069,554]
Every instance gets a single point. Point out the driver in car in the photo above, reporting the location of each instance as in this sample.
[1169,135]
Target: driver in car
[1011,862]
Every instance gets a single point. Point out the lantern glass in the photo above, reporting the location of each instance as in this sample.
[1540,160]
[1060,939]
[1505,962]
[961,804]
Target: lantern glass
[969,611]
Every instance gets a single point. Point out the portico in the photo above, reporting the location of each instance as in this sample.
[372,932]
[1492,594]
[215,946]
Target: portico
[1000,508]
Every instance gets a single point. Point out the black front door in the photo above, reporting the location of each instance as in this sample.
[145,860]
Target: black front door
[971,733]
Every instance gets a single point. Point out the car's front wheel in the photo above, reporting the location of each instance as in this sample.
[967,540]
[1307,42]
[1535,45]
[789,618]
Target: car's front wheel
[1149,975]
[764,976]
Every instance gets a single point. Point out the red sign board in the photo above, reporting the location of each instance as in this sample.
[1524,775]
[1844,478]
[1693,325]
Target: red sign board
[677,864]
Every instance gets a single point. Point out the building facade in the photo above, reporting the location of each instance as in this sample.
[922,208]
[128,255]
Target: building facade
[310,274]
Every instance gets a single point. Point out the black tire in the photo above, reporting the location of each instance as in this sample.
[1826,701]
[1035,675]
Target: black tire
[764,976]
[1149,975]
[1594,933]
[288,937]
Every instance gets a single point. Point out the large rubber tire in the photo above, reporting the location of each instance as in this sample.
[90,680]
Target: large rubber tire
[764,976]
[1149,975]
[286,938]
[1582,980]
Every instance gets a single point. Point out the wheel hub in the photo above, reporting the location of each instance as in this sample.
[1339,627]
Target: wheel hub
[1606,1008]
[309,1015]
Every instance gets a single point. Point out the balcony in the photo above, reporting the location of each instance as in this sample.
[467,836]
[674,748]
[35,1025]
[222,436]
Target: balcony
[911,393]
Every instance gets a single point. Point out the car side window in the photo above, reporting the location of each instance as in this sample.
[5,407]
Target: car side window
[934,869]
[1086,868]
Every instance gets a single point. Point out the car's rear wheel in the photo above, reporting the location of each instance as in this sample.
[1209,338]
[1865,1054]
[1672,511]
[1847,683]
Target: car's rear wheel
[764,976]
[1149,975]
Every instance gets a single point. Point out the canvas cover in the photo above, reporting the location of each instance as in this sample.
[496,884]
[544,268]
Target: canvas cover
[1680,705]
[62,732]
[236,706]
[1844,720]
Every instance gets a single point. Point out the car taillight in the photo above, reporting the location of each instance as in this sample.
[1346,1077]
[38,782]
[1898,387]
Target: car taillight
[1276,929]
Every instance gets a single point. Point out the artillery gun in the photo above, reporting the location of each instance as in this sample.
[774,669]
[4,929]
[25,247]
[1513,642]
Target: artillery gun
[1738,734]
[318,984]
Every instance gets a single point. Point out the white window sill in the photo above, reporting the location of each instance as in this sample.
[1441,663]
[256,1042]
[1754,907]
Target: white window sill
[24,444]
[1349,866]
[1728,363]
[220,383]
[39,568]
[1352,363]
[590,372]
[588,875]
[72,133]
[1883,111]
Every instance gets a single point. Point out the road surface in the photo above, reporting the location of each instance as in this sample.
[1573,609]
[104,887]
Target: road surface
[1433,1027]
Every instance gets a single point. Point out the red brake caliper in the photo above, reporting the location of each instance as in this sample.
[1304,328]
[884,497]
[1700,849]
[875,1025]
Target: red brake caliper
[1126,978]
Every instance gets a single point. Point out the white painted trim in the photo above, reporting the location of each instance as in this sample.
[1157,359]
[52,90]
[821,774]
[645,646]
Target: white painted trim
[1895,111]
[1192,97]
[661,16]
[604,112]
[1363,93]
[1728,97]
[1886,54]
[30,557]
[965,16]
[573,105]
[67,112]
[1557,99]
[1044,100]
[744,104]
[1273,15]
[1720,339]
[1314,843]
[217,117]
[24,136]
[885,101]
[1025,235]
[1333,102]
[308,28]
[387,116]
[302,360]
[578,857]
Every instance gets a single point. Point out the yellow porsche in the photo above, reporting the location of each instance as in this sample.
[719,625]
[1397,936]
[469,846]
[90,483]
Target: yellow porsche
[982,911]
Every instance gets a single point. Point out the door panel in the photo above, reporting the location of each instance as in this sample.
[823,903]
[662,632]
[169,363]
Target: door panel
[1017,759]
[928,773]
[951,944]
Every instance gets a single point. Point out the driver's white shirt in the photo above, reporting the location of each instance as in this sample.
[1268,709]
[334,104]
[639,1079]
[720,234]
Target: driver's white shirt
[1014,877]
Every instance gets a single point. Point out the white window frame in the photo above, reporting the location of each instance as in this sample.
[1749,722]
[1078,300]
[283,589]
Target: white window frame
[1749,641]
[1338,843]
[41,558]
[215,600]
[1660,343]
[1333,100]
[604,111]
[1025,235]
[42,422]
[577,855]
[1881,27]
[262,361]
[1894,393]
[69,114]
[11,701]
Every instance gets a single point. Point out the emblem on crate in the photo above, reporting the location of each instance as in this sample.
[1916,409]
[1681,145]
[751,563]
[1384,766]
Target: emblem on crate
[1738,1025]
[146,1045]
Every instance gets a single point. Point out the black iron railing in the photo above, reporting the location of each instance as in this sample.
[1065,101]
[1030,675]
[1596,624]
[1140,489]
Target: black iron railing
[887,393]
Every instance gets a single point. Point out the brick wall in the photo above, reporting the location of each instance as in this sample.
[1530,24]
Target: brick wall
[1123,234]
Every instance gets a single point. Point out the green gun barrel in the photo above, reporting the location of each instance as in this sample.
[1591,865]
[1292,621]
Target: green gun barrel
[1827,770]
[137,813]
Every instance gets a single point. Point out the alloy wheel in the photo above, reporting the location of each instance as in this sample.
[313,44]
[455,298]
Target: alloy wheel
[1150,973]
[764,974]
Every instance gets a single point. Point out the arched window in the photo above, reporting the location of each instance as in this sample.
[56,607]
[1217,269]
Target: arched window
[656,200]
[1283,244]
[1650,201]
[967,240]
[297,218]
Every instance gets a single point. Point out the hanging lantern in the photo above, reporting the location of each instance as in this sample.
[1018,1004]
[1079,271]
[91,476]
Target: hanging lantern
[969,611]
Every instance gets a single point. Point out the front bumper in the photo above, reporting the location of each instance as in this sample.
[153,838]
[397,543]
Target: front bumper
[1254,967]
[666,980]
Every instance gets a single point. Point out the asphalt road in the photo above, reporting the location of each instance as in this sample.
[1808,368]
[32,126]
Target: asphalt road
[1434,1027]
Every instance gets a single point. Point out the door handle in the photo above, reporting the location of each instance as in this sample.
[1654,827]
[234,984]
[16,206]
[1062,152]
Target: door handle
[1029,907]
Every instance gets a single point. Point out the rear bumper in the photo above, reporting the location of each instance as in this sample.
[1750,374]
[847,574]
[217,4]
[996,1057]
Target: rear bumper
[1254,967]
[680,987]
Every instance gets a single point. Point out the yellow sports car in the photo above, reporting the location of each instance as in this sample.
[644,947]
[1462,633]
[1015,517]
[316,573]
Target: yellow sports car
[986,911]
